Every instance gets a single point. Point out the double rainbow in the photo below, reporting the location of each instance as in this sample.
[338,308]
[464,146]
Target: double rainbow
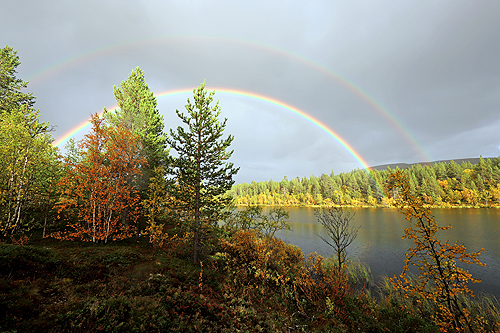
[111,49]
[249,95]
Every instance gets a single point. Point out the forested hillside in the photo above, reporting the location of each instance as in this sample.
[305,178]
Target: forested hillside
[441,185]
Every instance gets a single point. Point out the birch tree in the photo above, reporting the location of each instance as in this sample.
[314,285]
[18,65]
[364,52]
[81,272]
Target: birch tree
[26,159]
[99,186]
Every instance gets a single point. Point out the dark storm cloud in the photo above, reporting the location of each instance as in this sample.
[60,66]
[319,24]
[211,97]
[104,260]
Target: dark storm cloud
[432,66]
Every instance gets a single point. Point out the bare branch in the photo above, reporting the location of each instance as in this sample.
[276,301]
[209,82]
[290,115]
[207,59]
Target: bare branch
[337,223]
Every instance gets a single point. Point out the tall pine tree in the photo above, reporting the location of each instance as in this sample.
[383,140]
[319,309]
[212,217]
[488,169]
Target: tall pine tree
[137,111]
[201,171]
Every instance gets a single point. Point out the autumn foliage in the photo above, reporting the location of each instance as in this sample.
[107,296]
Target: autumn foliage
[99,197]
[441,281]
[274,274]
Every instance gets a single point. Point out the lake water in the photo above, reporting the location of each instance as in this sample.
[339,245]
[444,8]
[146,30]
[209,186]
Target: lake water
[379,242]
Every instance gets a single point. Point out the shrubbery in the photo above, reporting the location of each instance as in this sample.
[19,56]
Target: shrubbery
[250,283]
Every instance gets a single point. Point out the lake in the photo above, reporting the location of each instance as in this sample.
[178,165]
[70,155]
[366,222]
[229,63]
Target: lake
[379,242]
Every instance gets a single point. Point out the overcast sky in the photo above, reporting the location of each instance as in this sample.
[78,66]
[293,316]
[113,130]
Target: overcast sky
[399,81]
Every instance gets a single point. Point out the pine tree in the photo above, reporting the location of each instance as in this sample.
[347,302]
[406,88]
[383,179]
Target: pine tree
[11,96]
[138,113]
[201,171]
[453,170]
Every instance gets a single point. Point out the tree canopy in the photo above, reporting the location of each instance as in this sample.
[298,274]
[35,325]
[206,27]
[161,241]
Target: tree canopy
[137,111]
[99,188]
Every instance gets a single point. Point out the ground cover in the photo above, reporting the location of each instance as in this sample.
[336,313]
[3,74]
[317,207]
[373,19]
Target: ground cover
[248,284]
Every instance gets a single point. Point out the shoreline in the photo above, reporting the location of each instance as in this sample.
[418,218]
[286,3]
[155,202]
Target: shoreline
[370,206]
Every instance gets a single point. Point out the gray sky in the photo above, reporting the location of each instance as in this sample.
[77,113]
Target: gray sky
[399,81]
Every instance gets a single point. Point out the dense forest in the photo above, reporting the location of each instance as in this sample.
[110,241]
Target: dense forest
[440,185]
[118,235]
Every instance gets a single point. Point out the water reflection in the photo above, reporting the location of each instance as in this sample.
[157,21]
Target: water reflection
[379,242]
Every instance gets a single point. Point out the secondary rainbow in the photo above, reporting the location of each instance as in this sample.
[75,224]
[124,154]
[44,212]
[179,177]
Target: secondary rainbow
[348,84]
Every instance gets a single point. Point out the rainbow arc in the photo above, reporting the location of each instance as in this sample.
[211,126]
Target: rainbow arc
[346,83]
[242,94]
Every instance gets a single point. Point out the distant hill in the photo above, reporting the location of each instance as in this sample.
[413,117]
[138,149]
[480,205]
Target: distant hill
[403,166]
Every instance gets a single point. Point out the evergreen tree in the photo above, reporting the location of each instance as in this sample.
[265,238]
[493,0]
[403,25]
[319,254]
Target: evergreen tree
[285,186]
[11,96]
[315,187]
[483,169]
[273,186]
[453,170]
[137,111]
[201,171]
[440,170]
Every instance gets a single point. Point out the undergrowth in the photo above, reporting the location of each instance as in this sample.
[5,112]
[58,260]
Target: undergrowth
[249,283]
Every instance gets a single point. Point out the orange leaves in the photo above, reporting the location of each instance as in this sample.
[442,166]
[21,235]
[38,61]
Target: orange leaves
[263,267]
[441,281]
[23,240]
[100,188]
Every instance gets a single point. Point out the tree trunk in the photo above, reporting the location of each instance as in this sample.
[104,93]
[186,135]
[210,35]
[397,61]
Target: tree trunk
[47,209]
[20,188]
[196,239]
[197,190]
[93,219]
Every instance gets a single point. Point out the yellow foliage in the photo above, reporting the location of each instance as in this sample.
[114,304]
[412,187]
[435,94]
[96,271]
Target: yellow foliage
[440,281]
[470,196]
[495,193]
[157,236]
[259,266]
[443,184]
[468,171]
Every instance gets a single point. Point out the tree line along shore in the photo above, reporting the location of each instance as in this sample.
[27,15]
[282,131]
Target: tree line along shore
[443,184]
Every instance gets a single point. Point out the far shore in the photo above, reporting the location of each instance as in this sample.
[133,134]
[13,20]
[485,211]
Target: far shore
[374,206]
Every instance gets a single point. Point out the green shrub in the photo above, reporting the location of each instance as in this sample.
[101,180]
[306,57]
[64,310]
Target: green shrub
[19,261]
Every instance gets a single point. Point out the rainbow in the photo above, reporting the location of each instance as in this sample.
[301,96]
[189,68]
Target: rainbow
[250,95]
[239,93]
[77,129]
[343,81]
